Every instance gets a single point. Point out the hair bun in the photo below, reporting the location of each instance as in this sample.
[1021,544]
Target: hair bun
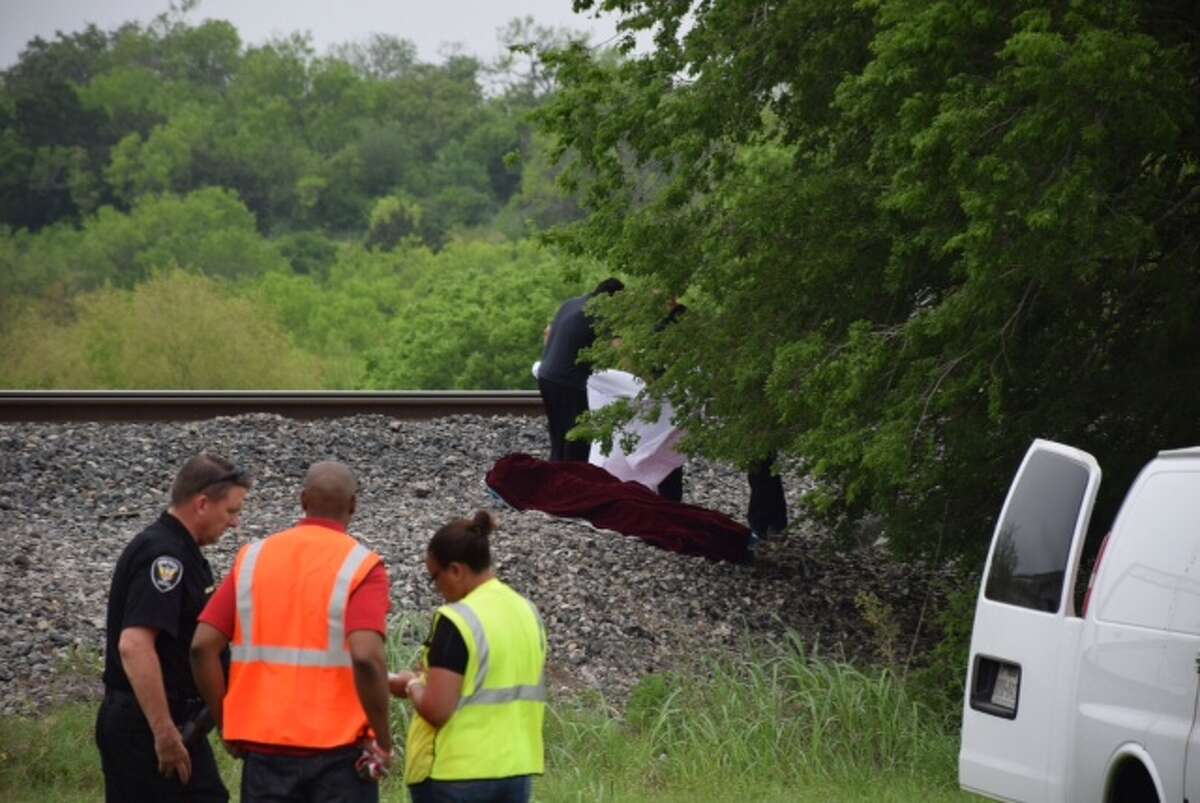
[483,521]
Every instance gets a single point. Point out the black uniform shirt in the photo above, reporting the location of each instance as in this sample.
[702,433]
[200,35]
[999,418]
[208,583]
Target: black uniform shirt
[570,333]
[161,581]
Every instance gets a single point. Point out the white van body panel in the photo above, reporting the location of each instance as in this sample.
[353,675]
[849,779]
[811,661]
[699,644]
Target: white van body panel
[1023,755]
[1127,685]
[1137,672]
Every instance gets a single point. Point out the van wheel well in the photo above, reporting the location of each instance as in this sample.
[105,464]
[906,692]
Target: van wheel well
[1131,783]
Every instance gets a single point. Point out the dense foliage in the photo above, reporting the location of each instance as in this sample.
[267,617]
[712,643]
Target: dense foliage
[175,331]
[912,236]
[98,119]
[354,219]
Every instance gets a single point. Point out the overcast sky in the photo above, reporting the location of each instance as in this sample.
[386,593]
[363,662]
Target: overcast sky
[428,23]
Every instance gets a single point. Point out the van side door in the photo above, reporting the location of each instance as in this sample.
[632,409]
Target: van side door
[1026,633]
[1137,670]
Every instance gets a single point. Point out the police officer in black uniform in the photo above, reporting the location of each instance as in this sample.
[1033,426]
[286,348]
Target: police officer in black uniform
[159,587]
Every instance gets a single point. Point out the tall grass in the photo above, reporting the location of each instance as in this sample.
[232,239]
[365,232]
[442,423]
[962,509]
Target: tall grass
[774,723]
[768,723]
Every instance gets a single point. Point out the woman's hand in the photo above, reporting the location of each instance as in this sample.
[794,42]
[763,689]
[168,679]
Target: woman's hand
[398,682]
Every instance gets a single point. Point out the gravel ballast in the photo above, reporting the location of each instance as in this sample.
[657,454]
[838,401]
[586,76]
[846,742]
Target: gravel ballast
[616,608]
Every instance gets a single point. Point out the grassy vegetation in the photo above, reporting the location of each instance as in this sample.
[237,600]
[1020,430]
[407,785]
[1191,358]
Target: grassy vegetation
[771,724]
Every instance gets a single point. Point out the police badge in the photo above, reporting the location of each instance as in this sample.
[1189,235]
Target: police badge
[165,573]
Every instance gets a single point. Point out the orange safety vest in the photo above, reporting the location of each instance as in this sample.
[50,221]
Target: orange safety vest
[291,682]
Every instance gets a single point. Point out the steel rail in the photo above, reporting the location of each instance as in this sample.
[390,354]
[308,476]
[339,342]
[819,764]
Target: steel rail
[192,405]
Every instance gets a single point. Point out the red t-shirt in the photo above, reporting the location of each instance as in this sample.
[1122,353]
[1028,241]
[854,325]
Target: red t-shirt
[366,609]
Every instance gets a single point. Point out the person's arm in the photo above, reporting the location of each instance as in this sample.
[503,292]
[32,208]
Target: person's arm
[436,699]
[207,646]
[140,662]
[366,624]
[371,682]
[214,631]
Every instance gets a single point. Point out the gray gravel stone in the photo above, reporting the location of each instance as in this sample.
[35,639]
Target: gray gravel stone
[615,608]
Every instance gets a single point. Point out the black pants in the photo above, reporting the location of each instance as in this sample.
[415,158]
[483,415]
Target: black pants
[672,486]
[563,405]
[327,777]
[768,506]
[131,766]
[518,789]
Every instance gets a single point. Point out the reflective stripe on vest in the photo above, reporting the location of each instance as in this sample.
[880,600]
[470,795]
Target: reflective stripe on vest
[335,654]
[504,694]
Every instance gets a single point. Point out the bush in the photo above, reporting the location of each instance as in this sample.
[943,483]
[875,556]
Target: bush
[474,316]
[175,331]
[209,232]
[940,682]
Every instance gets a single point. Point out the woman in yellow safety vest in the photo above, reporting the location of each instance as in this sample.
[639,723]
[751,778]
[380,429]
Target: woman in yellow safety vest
[480,695]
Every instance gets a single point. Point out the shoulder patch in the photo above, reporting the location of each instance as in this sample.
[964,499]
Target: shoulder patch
[165,573]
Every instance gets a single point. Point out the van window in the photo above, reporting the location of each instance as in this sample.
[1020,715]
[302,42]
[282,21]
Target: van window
[1151,577]
[1033,542]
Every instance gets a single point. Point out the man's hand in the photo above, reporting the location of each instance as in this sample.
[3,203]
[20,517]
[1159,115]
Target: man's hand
[384,757]
[173,758]
[374,763]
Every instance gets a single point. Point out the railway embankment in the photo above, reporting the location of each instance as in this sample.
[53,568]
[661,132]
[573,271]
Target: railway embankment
[72,494]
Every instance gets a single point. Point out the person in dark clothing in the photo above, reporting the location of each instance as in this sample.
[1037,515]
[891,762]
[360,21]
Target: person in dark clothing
[562,378]
[767,514]
[159,587]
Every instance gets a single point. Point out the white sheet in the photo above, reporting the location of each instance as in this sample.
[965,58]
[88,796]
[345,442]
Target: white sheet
[654,457]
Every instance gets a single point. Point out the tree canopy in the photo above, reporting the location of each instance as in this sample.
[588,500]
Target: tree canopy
[305,141]
[339,200]
[912,236]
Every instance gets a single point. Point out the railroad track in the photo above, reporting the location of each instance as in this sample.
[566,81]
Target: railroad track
[193,405]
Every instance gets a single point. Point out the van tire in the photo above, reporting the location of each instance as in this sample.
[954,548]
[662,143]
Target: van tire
[1132,784]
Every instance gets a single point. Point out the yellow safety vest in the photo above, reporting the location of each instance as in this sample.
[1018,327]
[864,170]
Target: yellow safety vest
[496,732]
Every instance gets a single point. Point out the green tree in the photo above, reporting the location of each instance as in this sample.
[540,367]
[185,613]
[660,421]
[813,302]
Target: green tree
[342,313]
[381,57]
[912,236]
[540,202]
[393,219]
[46,133]
[209,232]
[473,316]
[175,331]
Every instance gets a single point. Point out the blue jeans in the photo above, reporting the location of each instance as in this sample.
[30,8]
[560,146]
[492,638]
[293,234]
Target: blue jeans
[500,790]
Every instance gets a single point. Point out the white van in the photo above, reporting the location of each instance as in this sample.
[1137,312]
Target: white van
[1098,705]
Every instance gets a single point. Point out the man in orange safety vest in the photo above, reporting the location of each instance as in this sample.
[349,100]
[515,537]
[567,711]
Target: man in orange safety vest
[304,614]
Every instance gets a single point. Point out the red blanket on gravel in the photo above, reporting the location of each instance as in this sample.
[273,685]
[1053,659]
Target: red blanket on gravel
[581,490]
